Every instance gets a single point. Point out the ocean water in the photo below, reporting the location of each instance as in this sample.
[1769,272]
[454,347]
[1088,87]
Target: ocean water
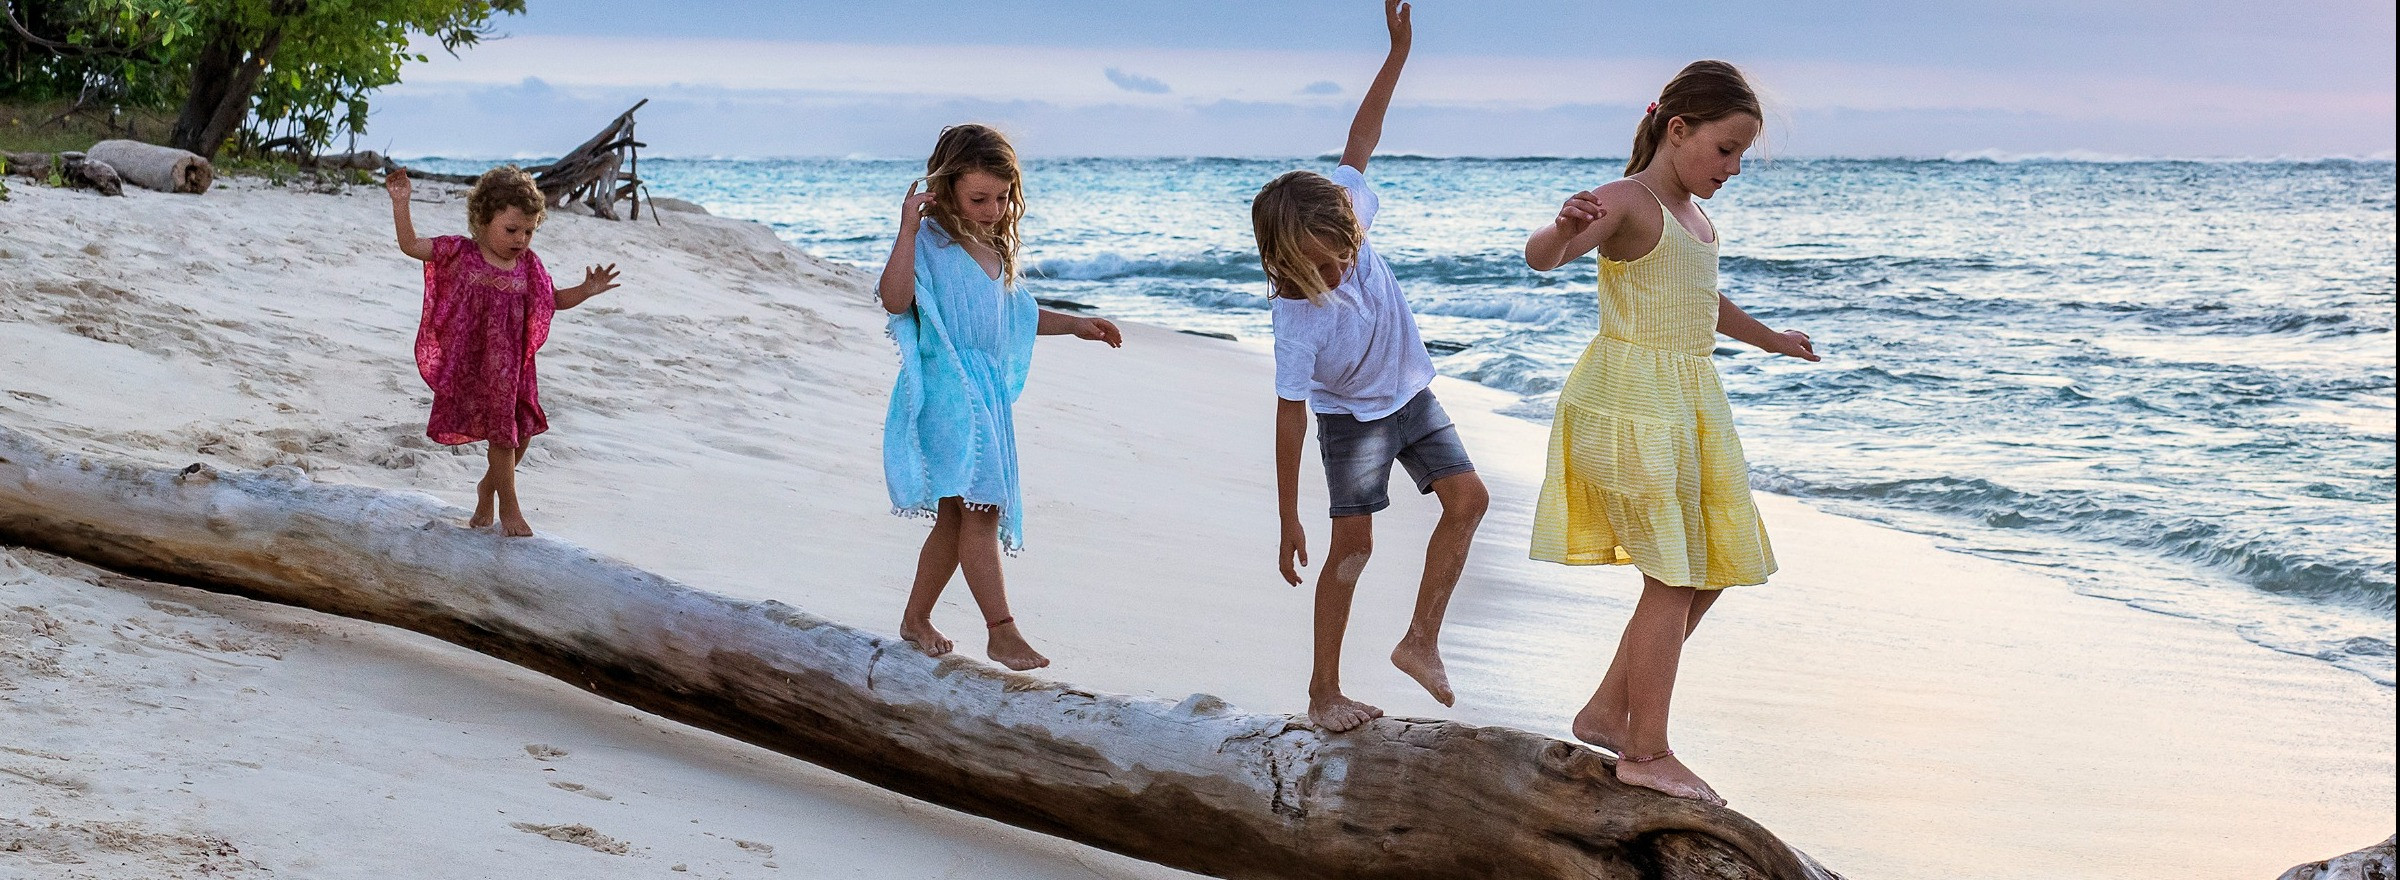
[2171,383]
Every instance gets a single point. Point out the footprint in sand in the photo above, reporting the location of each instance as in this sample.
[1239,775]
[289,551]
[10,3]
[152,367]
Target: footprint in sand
[579,835]
[580,789]
[544,751]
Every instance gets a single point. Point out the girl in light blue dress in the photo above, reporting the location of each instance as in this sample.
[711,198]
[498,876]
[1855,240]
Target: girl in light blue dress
[965,331]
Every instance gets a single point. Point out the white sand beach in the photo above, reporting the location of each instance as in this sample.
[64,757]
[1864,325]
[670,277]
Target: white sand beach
[1895,709]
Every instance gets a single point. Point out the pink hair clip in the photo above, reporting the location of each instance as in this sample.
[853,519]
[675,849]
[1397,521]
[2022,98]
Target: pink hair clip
[1653,108]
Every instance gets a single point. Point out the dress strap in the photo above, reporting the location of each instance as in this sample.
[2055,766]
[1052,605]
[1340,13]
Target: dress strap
[1662,203]
[1662,206]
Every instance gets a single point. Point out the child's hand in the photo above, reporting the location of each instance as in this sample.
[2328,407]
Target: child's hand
[1099,329]
[598,280]
[914,207]
[397,184]
[1799,346]
[1395,18]
[1295,541]
[1579,213]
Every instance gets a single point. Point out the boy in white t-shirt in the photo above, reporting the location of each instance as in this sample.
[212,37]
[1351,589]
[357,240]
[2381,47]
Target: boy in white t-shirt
[1346,347]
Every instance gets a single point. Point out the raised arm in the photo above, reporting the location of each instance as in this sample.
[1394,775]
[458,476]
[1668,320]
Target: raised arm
[403,228]
[1366,130]
[596,281]
[898,286]
[1734,322]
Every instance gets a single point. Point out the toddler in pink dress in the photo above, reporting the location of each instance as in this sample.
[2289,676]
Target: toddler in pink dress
[488,304]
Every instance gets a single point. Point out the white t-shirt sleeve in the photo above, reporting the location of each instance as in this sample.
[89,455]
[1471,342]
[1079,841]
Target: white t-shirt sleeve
[1362,196]
[1295,366]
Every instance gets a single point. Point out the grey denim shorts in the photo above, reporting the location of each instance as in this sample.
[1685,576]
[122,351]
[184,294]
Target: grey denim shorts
[1359,454]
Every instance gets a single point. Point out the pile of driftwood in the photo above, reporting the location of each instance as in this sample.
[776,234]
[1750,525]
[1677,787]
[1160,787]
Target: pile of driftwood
[597,174]
[72,169]
[109,165]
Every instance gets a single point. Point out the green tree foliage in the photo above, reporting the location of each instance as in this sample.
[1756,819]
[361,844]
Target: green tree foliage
[94,51]
[293,72]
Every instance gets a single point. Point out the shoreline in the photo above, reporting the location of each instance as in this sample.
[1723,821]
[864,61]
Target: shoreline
[713,421]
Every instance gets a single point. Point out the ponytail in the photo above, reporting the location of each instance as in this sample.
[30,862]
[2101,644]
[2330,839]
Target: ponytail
[1704,91]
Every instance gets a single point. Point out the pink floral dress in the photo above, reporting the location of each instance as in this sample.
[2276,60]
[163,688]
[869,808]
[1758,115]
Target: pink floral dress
[475,344]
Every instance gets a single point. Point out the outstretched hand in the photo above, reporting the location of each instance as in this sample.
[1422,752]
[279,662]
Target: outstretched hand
[1099,330]
[1799,346]
[398,185]
[599,279]
[1395,19]
[1579,213]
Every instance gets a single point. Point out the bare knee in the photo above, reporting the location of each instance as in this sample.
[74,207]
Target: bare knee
[1463,497]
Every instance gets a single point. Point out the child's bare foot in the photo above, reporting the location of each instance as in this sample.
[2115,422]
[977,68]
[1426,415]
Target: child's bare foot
[1008,647]
[1423,662]
[512,521]
[1337,713]
[927,639]
[1661,772]
[1603,728]
[485,498]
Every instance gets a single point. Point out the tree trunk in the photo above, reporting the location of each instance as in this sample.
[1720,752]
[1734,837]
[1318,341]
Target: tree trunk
[1192,784]
[224,77]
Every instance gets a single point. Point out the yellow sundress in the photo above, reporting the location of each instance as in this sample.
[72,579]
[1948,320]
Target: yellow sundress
[1644,465]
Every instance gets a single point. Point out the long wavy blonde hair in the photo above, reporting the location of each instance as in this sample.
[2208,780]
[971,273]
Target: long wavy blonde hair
[1289,212]
[970,147]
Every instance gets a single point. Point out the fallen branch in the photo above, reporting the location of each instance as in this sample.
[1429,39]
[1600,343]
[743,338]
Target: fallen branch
[76,169]
[2373,863]
[1193,784]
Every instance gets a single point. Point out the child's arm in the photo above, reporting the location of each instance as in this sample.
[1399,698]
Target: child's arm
[1582,224]
[1291,432]
[898,286]
[1060,324]
[1366,130]
[596,281]
[397,184]
[1734,322]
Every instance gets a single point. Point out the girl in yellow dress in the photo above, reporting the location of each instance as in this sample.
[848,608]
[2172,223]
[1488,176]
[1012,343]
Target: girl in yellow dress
[1644,465]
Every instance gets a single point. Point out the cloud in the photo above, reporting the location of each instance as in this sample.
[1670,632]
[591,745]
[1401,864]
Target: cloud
[1321,87]
[1134,82]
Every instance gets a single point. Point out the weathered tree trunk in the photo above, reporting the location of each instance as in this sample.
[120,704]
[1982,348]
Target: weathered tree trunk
[224,76]
[2373,863]
[1190,784]
[150,166]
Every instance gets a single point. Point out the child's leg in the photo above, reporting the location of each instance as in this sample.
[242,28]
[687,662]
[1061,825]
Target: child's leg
[512,517]
[496,493]
[1653,649]
[1603,720]
[1419,654]
[979,555]
[1345,559]
[935,563]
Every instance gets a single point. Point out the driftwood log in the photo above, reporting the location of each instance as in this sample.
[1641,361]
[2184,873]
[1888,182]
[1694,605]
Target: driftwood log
[1192,784]
[151,166]
[78,170]
[2373,863]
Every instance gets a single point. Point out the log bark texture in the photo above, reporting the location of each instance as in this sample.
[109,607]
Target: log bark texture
[150,166]
[2373,863]
[1190,784]
[78,170]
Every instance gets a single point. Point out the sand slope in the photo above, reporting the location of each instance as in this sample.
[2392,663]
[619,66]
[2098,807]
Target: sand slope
[1893,708]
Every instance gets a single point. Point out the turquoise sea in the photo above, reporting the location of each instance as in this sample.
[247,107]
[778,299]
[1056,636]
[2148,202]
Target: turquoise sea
[2170,382]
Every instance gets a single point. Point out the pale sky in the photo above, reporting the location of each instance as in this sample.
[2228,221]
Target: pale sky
[2196,78]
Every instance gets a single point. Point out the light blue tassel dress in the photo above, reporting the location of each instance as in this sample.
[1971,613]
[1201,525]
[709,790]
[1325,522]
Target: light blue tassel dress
[965,349]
